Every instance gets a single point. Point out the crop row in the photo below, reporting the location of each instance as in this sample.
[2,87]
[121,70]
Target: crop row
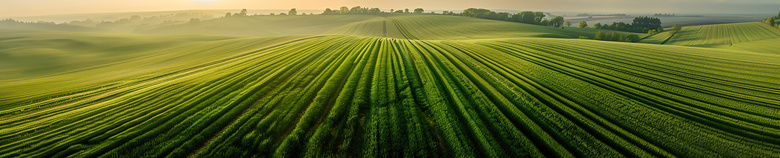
[323,96]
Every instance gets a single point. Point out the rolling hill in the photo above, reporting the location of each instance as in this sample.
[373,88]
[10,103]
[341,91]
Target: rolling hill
[424,27]
[716,35]
[761,46]
[407,91]
[261,25]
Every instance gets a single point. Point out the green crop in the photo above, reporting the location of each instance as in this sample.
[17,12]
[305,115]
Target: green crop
[395,86]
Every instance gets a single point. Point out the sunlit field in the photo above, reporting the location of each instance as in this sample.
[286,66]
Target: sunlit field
[375,83]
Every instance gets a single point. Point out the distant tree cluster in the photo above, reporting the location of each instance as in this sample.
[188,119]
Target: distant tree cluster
[12,21]
[773,21]
[240,14]
[38,24]
[528,17]
[586,14]
[640,25]
[419,11]
[662,14]
[675,28]
[614,36]
[582,24]
[357,10]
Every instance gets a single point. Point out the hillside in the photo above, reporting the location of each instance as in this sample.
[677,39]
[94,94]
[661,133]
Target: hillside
[440,27]
[762,46]
[326,95]
[8,24]
[261,25]
[424,27]
[720,34]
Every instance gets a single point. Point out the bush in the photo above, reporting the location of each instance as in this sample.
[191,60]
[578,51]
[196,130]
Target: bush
[584,37]
[632,38]
[600,35]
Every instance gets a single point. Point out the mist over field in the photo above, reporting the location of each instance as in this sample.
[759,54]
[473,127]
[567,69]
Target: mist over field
[304,78]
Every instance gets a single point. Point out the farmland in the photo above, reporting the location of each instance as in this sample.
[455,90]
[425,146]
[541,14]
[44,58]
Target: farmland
[388,86]
[720,34]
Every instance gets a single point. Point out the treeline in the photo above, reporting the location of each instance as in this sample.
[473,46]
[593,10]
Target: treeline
[640,25]
[357,10]
[614,36]
[12,21]
[528,17]
[586,14]
[773,21]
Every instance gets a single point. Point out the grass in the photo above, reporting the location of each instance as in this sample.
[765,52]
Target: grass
[722,34]
[761,46]
[400,86]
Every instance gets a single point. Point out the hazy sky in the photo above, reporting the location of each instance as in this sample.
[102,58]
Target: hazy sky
[10,8]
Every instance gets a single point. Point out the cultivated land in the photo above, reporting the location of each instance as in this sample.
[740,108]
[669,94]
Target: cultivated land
[369,86]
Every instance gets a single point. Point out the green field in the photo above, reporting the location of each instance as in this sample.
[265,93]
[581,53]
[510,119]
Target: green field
[388,86]
[716,35]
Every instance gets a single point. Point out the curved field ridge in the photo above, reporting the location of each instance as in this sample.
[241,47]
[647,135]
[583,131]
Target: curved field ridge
[445,27]
[317,96]
[722,34]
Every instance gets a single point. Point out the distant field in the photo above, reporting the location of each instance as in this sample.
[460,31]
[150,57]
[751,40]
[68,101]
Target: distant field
[121,15]
[439,27]
[682,20]
[387,86]
[761,46]
[261,25]
[427,27]
[347,95]
[721,34]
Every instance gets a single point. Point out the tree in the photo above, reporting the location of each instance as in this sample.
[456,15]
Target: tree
[419,11]
[600,35]
[327,11]
[344,10]
[406,10]
[568,23]
[597,26]
[582,24]
[538,16]
[227,15]
[292,12]
[242,13]
[356,10]
[557,21]
[527,17]
[545,22]
[392,10]
[632,38]
[477,13]
[374,11]
[615,36]
[675,28]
